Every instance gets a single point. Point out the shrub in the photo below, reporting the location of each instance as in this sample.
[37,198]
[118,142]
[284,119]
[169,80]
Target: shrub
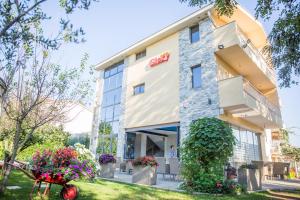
[145,161]
[231,187]
[83,152]
[106,158]
[204,152]
[86,156]
[27,153]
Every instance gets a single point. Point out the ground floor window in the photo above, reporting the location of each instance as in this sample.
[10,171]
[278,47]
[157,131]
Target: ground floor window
[247,147]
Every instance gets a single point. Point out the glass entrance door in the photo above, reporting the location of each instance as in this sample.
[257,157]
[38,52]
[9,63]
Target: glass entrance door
[130,146]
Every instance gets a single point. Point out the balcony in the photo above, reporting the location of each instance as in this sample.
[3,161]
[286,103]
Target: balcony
[237,51]
[240,98]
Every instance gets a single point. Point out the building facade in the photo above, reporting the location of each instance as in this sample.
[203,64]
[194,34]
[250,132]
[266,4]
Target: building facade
[203,65]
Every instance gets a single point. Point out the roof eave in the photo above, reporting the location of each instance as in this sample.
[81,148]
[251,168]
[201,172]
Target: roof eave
[167,31]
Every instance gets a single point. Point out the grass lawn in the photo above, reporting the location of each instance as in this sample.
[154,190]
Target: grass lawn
[105,190]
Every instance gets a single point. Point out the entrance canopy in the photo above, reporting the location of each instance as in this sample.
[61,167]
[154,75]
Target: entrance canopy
[151,141]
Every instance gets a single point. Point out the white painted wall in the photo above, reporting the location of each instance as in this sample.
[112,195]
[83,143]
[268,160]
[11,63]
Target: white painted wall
[266,145]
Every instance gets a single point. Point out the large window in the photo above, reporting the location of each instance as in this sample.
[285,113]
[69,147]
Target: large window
[196,76]
[247,148]
[195,36]
[110,109]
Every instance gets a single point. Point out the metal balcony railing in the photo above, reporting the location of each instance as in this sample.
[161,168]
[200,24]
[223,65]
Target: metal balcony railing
[267,68]
[258,96]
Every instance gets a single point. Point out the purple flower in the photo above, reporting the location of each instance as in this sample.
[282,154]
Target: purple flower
[106,158]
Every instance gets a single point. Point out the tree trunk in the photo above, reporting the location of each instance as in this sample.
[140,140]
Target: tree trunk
[13,157]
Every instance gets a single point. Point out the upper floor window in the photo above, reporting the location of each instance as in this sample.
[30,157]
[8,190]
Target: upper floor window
[139,89]
[140,55]
[196,76]
[195,36]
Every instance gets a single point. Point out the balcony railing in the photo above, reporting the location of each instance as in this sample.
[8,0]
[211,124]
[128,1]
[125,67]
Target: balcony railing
[242,99]
[258,55]
[231,35]
[249,89]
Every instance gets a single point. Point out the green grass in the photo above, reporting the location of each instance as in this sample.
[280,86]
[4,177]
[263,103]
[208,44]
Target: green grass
[108,190]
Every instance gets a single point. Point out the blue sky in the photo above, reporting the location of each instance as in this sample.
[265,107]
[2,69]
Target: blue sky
[112,25]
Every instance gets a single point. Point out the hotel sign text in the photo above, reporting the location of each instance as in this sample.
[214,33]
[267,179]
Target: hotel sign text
[159,59]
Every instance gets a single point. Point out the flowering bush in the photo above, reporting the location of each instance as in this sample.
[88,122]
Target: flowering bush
[106,158]
[86,156]
[145,161]
[62,164]
[83,153]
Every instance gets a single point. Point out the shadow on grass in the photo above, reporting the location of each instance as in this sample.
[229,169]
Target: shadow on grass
[110,190]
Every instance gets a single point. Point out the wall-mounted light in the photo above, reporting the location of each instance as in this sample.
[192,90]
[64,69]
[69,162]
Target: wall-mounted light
[246,44]
[209,101]
[221,46]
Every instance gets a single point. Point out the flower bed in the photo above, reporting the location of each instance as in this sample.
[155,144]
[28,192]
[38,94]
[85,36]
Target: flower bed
[61,166]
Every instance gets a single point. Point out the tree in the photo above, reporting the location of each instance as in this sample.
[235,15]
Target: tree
[291,152]
[107,142]
[21,26]
[38,91]
[38,95]
[204,152]
[283,48]
[44,134]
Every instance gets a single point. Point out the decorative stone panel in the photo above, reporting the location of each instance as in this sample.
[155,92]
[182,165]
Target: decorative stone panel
[200,102]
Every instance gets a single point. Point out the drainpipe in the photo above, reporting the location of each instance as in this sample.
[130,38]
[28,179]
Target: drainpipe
[178,141]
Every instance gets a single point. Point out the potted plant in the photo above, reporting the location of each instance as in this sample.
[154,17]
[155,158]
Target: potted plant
[249,175]
[144,170]
[107,163]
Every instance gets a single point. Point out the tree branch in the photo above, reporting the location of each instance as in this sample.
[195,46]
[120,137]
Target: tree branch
[16,19]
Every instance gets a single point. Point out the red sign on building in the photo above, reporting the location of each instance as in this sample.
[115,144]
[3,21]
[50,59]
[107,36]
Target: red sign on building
[160,59]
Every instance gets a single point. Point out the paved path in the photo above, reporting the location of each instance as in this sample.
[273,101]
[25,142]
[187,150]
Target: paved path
[164,183]
[282,184]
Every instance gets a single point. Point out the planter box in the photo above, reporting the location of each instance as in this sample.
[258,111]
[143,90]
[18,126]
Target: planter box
[251,178]
[144,175]
[107,170]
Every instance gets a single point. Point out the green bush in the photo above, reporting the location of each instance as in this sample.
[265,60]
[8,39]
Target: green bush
[204,152]
[45,137]
[27,153]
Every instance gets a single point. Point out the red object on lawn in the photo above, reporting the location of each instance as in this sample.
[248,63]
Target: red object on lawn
[69,192]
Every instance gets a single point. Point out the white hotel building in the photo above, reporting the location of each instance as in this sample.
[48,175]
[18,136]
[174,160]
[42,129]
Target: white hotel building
[200,66]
